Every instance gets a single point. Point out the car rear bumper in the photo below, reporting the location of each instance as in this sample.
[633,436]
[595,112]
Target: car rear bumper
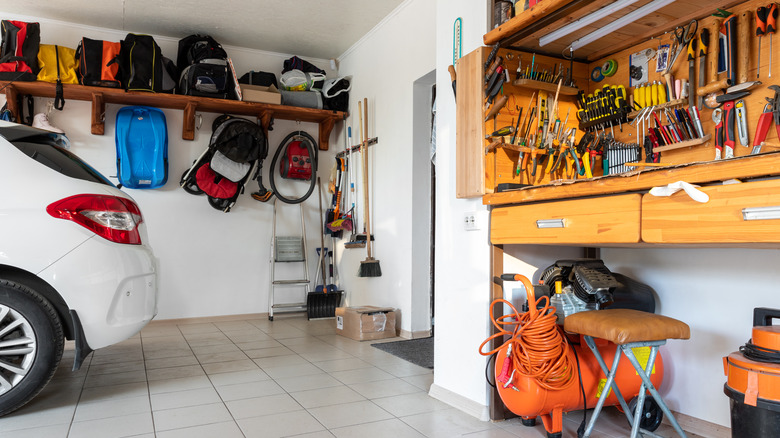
[114,294]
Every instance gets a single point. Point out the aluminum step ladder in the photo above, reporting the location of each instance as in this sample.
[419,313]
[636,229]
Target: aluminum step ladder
[288,249]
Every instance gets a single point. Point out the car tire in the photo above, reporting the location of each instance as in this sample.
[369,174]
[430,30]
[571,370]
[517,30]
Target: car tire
[25,314]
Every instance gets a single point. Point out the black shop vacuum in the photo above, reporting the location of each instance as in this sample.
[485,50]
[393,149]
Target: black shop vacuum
[753,379]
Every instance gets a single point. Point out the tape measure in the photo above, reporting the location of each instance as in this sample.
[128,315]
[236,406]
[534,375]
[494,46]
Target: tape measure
[609,68]
[457,35]
[597,75]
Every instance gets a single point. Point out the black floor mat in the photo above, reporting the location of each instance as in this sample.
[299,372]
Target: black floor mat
[416,351]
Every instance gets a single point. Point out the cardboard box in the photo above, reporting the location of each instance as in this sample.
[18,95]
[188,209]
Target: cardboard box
[365,323]
[259,93]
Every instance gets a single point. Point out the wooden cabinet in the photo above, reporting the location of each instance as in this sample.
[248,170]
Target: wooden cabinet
[735,214]
[606,219]
[483,162]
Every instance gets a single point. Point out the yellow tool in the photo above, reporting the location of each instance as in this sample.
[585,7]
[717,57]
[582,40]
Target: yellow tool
[586,163]
[648,95]
[661,94]
[654,93]
[640,96]
[636,97]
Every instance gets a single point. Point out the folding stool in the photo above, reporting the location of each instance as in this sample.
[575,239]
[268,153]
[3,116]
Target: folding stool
[628,329]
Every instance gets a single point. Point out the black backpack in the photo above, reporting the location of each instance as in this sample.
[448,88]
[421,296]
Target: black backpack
[204,69]
[19,57]
[239,139]
[143,67]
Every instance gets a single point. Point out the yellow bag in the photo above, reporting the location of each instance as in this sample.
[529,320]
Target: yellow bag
[58,65]
[57,62]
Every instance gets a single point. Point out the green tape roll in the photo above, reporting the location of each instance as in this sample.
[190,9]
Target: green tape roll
[609,68]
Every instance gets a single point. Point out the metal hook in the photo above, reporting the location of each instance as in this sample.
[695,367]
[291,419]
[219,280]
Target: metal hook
[200,121]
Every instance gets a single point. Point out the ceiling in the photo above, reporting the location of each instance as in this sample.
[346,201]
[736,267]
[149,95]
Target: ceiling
[301,27]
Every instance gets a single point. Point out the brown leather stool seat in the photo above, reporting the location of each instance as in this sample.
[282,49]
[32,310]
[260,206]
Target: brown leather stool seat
[622,326]
[628,329]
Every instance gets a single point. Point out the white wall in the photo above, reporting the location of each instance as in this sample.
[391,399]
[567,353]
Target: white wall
[462,257]
[385,64]
[211,263]
[714,291]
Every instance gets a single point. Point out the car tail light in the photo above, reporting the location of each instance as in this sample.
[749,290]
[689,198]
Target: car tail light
[110,217]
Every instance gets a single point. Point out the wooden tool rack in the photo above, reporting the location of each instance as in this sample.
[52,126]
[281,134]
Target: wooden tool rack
[616,210]
[189,104]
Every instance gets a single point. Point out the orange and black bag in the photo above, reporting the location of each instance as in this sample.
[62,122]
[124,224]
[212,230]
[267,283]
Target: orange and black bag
[98,63]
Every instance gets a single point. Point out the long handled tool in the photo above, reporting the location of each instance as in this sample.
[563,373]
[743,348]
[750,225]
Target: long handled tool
[370,266]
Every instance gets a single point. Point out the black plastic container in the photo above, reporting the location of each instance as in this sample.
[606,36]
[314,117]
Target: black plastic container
[760,421]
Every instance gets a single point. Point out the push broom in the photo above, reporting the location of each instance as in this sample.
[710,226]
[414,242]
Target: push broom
[370,266]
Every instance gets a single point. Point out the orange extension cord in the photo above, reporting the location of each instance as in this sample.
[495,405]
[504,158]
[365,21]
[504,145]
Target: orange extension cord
[538,348]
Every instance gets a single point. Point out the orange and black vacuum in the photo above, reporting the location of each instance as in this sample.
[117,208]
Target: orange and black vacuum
[541,371]
[753,379]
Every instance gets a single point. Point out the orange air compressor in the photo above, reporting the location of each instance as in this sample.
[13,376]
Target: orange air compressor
[542,372]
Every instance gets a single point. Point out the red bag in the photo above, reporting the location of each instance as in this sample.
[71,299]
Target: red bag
[296,163]
[19,51]
[214,184]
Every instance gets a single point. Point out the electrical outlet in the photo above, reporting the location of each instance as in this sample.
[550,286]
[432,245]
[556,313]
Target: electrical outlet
[471,221]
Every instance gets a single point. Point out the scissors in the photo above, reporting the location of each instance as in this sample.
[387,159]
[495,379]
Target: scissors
[682,37]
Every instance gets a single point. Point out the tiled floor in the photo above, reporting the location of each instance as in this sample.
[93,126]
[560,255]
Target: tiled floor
[253,378]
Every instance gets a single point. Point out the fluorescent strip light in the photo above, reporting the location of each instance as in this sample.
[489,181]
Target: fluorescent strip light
[584,21]
[619,23]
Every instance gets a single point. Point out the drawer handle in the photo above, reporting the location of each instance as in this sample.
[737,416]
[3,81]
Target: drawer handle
[761,213]
[550,223]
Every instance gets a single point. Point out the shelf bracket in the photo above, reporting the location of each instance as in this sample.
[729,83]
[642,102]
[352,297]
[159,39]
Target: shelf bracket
[326,126]
[265,120]
[12,99]
[188,124]
[98,114]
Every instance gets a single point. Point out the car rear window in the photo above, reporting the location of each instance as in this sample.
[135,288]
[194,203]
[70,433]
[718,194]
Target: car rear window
[43,150]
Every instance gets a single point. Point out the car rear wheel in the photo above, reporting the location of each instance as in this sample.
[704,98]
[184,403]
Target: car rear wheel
[31,344]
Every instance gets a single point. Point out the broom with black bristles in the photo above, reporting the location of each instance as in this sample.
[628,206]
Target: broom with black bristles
[370,266]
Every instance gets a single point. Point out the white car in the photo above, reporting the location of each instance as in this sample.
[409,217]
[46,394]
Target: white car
[75,262]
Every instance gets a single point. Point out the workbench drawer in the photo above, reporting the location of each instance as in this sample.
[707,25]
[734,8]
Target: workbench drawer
[608,219]
[735,213]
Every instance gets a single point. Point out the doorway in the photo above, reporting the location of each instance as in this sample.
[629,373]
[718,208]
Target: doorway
[423,202]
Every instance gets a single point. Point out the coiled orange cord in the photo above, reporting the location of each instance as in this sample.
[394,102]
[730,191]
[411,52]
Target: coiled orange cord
[537,346]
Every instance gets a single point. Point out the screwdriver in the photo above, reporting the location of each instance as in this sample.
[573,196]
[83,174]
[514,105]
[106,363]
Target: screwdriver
[771,20]
[761,14]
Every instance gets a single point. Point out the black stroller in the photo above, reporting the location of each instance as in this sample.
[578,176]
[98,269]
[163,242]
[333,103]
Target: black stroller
[236,150]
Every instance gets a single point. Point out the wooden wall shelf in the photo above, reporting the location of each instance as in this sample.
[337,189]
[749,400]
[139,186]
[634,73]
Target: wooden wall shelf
[683,144]
[745,167]
[546,86]
[189,104]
